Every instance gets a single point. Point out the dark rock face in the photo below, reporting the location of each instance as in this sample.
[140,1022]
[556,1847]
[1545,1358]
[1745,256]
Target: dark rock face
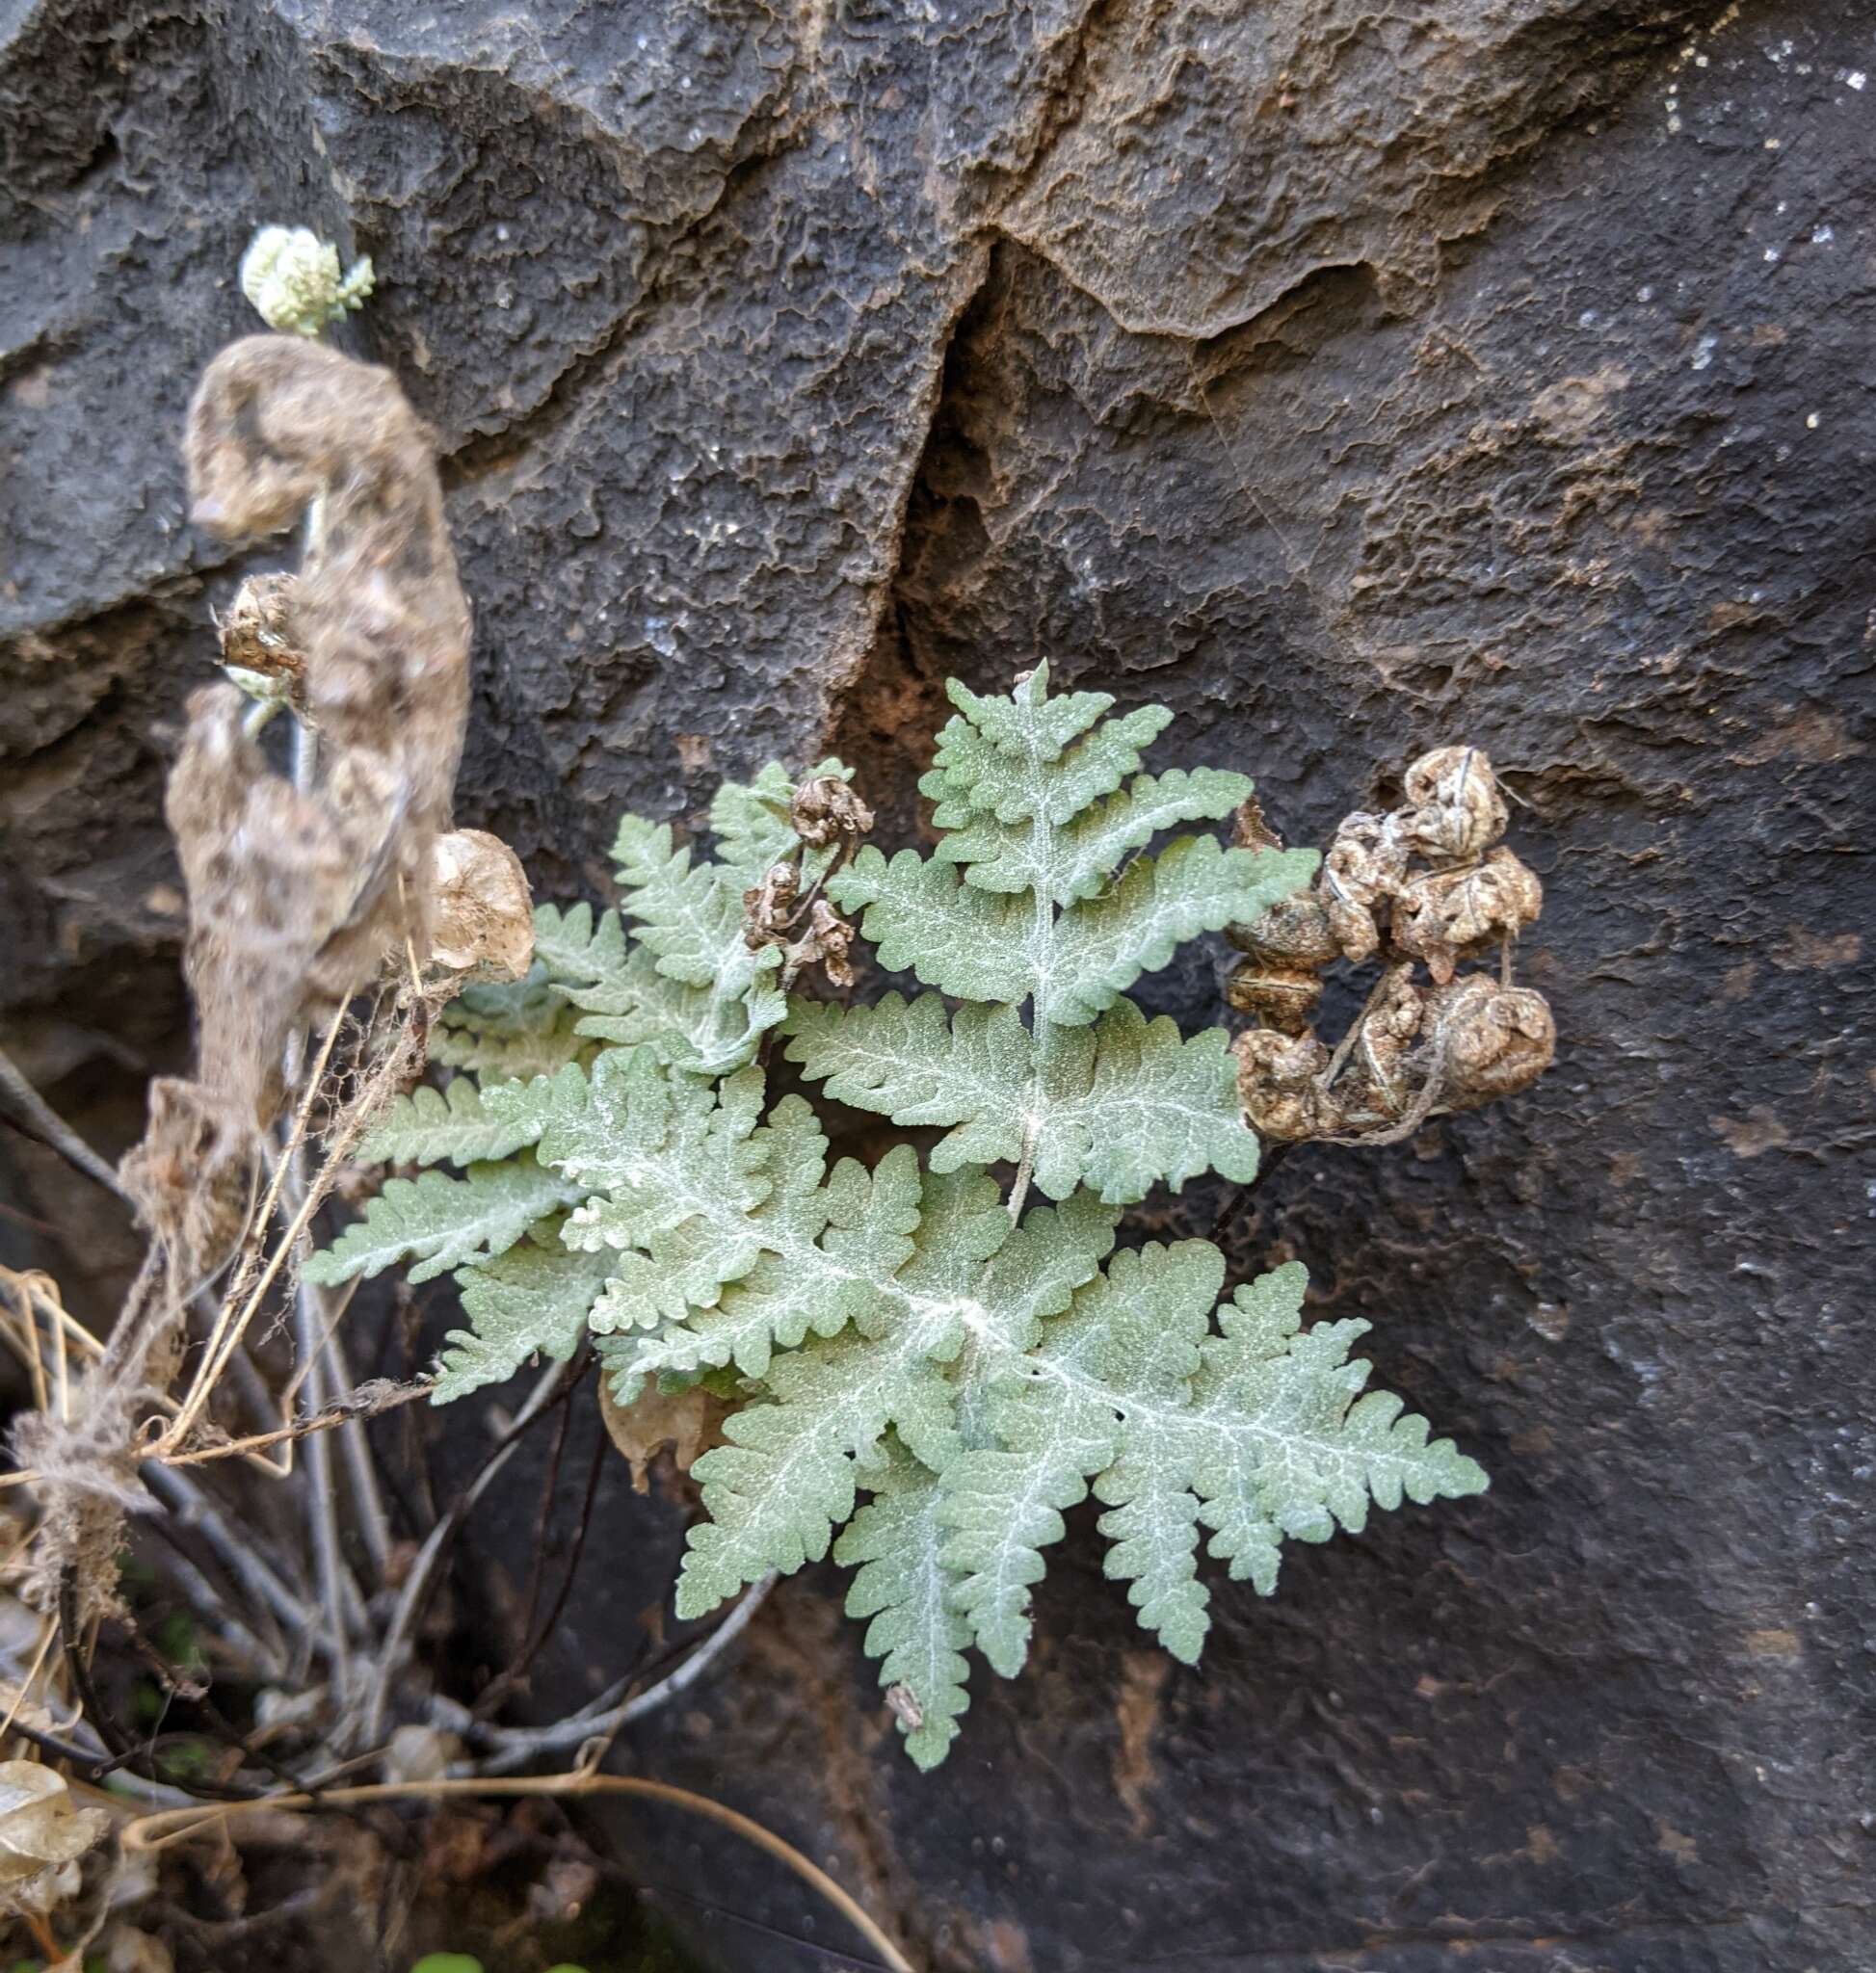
[1353,381]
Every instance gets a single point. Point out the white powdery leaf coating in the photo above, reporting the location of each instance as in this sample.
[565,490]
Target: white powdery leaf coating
[1115,1106]
[710,1021]
[436,1224]
[447,1126]
[897,1542]
[535,1300]
[1258,1429]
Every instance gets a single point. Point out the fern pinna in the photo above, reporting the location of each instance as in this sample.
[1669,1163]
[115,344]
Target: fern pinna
[929,1364]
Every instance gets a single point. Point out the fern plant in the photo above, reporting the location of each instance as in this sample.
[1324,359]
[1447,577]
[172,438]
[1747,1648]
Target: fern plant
[930,1361]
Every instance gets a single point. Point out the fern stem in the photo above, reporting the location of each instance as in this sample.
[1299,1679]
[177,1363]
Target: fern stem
[41,1120]
[416,1586]
[515,1745]
[1025,1168]
[321,1507]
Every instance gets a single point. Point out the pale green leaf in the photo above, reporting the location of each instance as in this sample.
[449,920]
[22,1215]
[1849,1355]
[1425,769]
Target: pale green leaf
[773,1491]
[533,1299]
[1079,860]
[574,947]
[432,1126]
[1258,1430]
[914,1063]
[1117,1106]
[516,1053]
[1030,755]
[521,1029]
[925,922]
[895,1542]
[690,914]
[1102,945]
[436,1224]
[623,997]
[1130,1102]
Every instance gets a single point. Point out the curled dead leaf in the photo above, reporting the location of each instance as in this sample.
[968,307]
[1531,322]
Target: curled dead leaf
[1443,915]
[690,1422]
[1454,809]
[1425,883]
[1494,1039]
[827,808]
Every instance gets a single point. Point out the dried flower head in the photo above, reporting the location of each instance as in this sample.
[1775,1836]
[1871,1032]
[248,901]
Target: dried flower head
[826,809]
[292,277]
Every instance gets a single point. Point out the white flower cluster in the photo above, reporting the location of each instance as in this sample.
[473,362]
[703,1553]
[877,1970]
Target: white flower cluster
[292,277]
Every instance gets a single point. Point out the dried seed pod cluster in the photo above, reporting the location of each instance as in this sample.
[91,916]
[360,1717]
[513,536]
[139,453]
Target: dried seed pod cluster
[825,814]
[1426,885]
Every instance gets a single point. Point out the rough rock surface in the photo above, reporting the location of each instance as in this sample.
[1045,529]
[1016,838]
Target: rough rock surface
[1355,379]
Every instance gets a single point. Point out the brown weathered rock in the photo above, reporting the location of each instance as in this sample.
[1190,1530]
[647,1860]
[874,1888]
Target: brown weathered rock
[1353,381]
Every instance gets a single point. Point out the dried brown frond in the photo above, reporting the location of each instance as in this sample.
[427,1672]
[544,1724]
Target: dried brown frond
[687,1421]
[1425,883]
[827,809]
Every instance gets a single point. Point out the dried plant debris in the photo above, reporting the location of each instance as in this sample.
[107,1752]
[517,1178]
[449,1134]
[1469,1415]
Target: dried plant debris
[686,1422]
[1426,884]
[42,1834]
[481,912]
[260,646]
[299,889]
[825,809]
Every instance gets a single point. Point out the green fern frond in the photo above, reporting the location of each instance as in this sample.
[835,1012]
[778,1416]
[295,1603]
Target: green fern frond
[1115,1106]
[1045,911]
[535,1300]
[895,1544]
[928,1308]
[1258,1430]
[1074,861]
[448,1125]
[1032,758]
[913,1358]
[436,1224]
[508,1031]
[689,914]
[628,991]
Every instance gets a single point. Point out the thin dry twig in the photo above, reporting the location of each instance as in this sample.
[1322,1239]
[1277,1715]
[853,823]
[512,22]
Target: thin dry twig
[154,1832]
[417,1585]
[511,1745]
[45,1124]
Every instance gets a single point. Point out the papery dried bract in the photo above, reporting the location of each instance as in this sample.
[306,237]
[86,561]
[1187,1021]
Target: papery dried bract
[482,913]
[42,1834]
